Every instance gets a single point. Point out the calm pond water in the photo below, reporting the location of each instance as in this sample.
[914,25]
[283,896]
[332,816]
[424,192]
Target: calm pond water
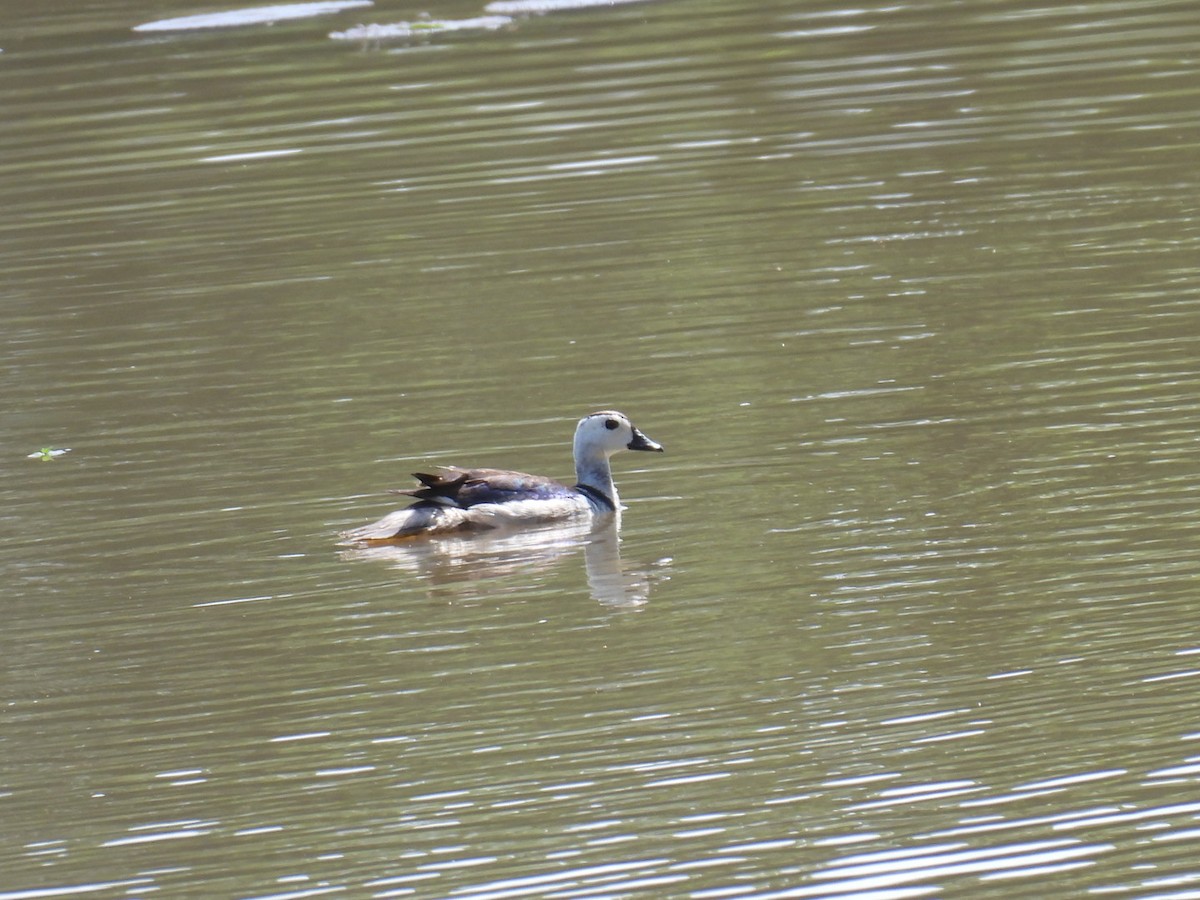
[910,294]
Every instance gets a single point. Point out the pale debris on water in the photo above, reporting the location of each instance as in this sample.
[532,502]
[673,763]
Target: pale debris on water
[400,30]
[255,15]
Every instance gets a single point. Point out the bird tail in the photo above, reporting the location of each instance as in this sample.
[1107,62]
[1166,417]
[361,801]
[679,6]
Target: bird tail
[421,519]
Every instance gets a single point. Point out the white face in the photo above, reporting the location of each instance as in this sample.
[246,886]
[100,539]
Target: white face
[612,431]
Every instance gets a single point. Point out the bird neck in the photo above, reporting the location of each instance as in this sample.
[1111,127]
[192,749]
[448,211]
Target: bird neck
[592,470]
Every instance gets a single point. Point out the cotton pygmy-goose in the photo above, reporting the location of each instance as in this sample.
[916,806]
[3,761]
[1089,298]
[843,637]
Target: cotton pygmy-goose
[456,499]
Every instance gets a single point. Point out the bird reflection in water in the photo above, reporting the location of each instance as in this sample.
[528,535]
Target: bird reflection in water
[490,555]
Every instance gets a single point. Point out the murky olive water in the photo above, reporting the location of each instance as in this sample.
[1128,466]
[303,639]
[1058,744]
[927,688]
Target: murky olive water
[909,292]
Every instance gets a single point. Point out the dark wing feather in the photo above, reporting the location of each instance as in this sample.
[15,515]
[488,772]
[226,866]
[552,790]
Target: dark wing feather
[465,488]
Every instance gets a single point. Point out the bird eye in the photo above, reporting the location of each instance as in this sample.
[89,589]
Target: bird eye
[610,424]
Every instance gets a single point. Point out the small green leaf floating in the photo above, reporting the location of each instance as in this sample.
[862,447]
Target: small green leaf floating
[48,453]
